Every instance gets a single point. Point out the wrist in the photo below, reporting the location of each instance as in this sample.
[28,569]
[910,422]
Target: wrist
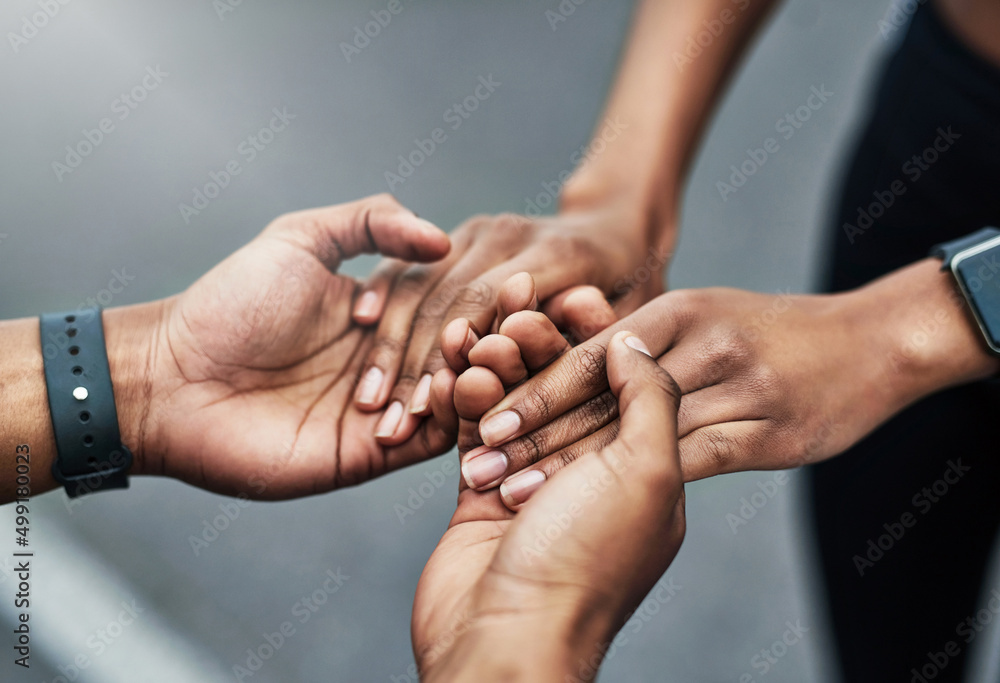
[131,333]
[516,648]
[651,218]
[928,336]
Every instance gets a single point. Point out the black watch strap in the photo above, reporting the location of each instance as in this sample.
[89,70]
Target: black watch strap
[90,455]
[946,251]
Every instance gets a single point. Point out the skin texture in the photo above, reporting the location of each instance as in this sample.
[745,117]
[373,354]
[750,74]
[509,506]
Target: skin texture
[489,589]
[242,384]
[768,382]
[627,183]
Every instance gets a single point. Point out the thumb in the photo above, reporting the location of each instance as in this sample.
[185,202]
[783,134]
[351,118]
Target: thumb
[375,224]
[648,398]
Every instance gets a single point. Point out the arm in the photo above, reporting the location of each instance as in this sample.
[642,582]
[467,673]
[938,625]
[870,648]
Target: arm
[769,382]
[629,186]
[241,384]
[128,332]
[665,98]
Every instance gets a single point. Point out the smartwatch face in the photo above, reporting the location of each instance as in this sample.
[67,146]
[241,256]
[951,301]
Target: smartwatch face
[978,273]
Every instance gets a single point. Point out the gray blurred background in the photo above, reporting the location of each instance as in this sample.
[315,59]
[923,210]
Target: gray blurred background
[63,235]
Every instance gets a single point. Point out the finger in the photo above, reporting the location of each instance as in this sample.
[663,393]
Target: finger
[473,295]
[392,336]
[476,390]
[408,291]
[648,397]
[518,488]
[578,375]
[371,301]
[580,312]
[536,337]
[552,445]
[516,294]
[719,403]
[442,401]
[457,340]
[647,393]
[723,448]
[502,356]
[376,224]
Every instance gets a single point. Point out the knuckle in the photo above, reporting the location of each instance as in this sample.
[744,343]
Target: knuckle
[728,349]
[385,351]
[591,366]
[425,324]
[532,447]
[602,408]
[475,295]
[510,225]
[537,402]
[718,448]
[412,282]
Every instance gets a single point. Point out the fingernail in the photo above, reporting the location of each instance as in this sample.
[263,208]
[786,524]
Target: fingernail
[500,427]
[518,489]
[390,421]
[365,307]
[484,469]
[470,340]
[421,395]
[371,385]
[638,345]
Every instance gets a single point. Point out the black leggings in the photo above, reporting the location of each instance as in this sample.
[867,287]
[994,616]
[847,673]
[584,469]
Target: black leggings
[906,520]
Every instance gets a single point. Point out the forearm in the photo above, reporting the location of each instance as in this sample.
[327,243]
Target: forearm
[662,100]
[26,418]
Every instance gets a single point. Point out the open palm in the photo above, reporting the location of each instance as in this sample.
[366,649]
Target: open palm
[256,362]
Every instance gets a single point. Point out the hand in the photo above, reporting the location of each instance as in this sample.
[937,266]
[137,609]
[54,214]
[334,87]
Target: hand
[607,247]
[504,598]
[251,370]
[769,382]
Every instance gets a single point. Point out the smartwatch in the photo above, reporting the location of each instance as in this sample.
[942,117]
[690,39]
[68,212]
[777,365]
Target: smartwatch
[975,262]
